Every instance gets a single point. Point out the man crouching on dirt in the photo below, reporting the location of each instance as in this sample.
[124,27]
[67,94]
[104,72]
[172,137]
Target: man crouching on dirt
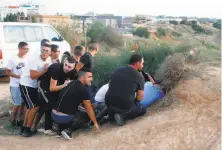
[68,101]
[120,97]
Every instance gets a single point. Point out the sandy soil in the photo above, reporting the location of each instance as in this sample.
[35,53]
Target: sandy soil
[193,125]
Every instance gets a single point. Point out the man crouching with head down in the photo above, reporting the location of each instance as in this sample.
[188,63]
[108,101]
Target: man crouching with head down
[68,101]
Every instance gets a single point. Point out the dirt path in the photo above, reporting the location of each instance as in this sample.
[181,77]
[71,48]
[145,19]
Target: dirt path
[195,124]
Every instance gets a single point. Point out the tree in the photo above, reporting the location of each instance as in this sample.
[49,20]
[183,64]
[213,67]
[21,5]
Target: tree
[10,18]
[97,31]
[174,22]
[33,19]
[142,32]
[217,24]
[161,32]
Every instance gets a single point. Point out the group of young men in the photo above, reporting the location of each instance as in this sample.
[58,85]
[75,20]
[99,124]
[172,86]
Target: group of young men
[61,91]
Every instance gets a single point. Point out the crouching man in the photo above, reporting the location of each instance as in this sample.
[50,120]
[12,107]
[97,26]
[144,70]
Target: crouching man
[68,101]
[120,97]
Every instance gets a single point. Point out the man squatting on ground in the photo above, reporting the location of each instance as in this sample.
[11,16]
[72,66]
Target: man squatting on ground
[69,100]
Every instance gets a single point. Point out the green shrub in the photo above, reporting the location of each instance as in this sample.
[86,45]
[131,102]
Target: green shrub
[217,24]
[97,31]
[197,28]
[174,22]
[161,32]
[142,32]
[176,34]
[105,64]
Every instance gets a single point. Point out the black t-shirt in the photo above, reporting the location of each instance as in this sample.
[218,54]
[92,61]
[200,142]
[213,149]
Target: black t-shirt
[86,60]
[55,71]
[71,96]
[125,82]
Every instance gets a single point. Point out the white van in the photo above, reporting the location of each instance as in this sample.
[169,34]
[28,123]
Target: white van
[11,33]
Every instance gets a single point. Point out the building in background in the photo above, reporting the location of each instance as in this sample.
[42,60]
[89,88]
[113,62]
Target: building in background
[52,20]
[109,20]
[28,9]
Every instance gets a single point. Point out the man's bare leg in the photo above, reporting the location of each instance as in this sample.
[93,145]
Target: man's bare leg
[31,116]
[14,113]
[37,119]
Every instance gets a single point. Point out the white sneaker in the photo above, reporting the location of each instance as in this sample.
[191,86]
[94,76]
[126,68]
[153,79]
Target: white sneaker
[49,132]
[41,130]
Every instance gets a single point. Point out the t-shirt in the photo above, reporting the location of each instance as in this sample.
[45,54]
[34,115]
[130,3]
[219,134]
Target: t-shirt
[125,81]
[33,64]
[86,60]
[100,95]
[55,71]
[16,65]
[71,96]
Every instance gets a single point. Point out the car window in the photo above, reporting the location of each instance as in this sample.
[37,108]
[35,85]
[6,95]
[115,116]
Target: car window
[51,34]
[30,34]
[38,33]
[13,34]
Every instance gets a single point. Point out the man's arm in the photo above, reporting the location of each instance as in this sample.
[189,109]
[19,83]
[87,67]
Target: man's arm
[151,79]
[36,74]
[10,74]
[90,112]
[54,87]
[139,94]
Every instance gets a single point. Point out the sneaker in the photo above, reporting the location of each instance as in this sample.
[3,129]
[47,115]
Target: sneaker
[41,130]
[119,119]
[22,129]
[58,134]
[67,134]
[27,133]
[49,132]
[19,123]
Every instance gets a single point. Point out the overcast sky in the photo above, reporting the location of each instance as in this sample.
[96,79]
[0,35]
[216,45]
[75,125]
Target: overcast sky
[199,8]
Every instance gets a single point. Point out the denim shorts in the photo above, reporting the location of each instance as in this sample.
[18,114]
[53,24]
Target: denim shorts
[16,96]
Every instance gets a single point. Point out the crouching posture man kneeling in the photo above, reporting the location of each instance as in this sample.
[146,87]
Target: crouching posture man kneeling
[68,101]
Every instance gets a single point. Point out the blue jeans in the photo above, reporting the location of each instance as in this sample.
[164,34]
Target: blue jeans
[151,94]
[61,119]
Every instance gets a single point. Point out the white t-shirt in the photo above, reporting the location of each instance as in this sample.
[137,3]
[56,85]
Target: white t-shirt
[16,65]
[34,64]
[100,95]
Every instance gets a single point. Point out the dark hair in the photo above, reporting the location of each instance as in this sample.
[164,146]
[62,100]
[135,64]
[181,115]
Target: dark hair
[22,44]
[83,71]
[78,50]
[92,46]
[44,41]
[70,59]
[54,47]
[135,58]
[46,45]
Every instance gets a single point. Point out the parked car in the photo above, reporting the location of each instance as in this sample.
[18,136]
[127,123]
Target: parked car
[11,33]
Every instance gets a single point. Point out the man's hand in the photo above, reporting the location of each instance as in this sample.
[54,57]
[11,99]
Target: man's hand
[96,128]
[66,82]
[45,68]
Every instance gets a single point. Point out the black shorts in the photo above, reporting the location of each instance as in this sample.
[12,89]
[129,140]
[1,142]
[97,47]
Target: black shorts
[30,96]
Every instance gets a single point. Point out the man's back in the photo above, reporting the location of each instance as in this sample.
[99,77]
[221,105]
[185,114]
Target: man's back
[124,83]
[71,96]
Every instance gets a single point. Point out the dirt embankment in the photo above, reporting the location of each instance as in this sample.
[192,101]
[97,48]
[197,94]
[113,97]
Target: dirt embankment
[194,124]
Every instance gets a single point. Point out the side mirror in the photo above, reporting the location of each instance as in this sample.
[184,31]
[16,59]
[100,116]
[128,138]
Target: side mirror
[61,38]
